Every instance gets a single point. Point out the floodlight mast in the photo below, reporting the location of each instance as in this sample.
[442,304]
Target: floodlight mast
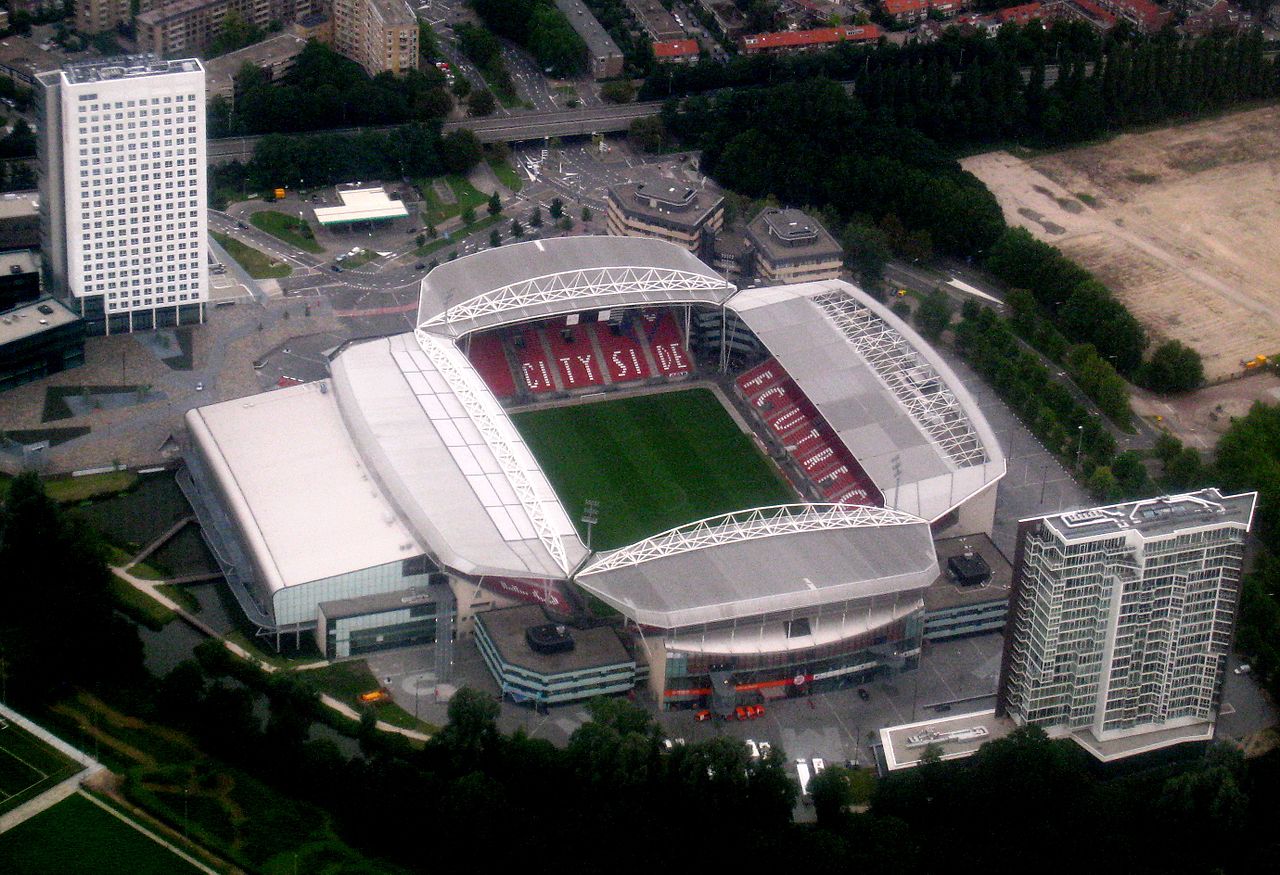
[590,516]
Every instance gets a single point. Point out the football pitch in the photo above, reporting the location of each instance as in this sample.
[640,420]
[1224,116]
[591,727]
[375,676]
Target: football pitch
[77,836]
[652,461]
[28,766]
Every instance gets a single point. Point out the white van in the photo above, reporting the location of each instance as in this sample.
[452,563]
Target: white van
[802,772]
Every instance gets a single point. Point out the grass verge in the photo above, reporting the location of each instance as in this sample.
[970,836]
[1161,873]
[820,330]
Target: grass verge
[291,229]
[255,263]
[466,195]
[71,490]
[506,174]
[139,606]
[345,681]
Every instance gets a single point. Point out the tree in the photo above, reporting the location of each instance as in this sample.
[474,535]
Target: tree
[495,204]
[468,216]
[557,208]
[517,230]
[1174,367]
[461,87]
[933,316]
[618,91]
[481,102]
[495,239]
[831,795]
[586,213]
[535,218]
[647,134]
[866,249]
[420,241]
[460,151]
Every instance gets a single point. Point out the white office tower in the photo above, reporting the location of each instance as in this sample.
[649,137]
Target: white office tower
[1121,620]
[122,184]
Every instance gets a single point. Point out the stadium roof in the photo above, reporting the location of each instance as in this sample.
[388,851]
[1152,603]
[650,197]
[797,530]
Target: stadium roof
[890,397]
[764,561]
[269,455]
[450,459]
[544,278]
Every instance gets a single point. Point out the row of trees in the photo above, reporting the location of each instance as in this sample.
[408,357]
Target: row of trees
[323,91]
[484,50]
[541,28]
[413,151]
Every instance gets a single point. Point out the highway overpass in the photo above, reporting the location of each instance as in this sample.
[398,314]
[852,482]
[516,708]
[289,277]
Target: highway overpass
[583,121]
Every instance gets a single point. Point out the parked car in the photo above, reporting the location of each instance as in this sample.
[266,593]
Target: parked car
[1243,668]
[702,716]
[863,694]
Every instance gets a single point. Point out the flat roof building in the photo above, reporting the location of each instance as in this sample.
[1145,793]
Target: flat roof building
[669,210]
[19,278]
[604,58]
[1121,620]
[128,123]
[275,56]
[20,220]
[656,20]
[37,339]
[792,247]
[362,205]
[788,41]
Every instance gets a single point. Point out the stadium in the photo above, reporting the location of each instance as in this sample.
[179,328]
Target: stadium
[745,484]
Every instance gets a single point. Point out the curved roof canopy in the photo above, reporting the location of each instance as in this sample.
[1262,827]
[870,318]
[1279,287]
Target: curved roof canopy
[762,561]
[562,275]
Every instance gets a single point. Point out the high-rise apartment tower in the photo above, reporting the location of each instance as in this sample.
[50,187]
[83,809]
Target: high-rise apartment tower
[1121,619]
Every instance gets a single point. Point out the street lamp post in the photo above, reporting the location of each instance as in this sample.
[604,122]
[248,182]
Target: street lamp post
[590,516]
[1079,445]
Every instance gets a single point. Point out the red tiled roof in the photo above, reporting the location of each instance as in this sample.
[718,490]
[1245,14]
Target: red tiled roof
[817,37]
[678,48]
[894,8]
[1095,11]
[1023,13]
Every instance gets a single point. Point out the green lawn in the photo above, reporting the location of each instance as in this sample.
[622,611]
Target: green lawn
[457,235]
[653,462]
[507,175]
[139,605]
[467,195]
[364,256]
[77,836]
[72,490]
[291,229]
[258,265]
[345,681]
[28,766]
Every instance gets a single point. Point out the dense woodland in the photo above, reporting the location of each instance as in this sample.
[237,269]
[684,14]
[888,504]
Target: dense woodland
[614,797]
[540,27]
[324,90]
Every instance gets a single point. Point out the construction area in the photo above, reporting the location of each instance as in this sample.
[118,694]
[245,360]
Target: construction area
[1180,223]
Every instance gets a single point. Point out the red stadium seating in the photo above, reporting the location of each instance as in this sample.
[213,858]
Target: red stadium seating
[577,360]
[490,362]
[623,357]
[761,377]
[666,343]
[534,367]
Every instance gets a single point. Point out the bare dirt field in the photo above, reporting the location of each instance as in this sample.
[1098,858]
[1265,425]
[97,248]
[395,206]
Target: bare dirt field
[1182,223]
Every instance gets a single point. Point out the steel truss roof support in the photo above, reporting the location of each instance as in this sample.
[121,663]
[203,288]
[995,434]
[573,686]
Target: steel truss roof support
[913,381]
[667,285]
[747,525]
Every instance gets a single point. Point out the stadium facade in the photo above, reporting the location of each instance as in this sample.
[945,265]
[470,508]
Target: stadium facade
[402,476]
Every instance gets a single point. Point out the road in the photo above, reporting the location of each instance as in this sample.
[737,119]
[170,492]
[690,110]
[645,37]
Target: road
[580,121]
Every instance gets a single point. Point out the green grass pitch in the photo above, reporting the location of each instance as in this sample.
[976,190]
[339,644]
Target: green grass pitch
[652,461]
[28,766]
[77,836]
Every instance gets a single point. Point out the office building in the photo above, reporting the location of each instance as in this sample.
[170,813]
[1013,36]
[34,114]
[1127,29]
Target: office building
[1121,619]
[188,27]
[38,339]
[666,210]
[19,278]
[791,247]
[122,163]
[379,35]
